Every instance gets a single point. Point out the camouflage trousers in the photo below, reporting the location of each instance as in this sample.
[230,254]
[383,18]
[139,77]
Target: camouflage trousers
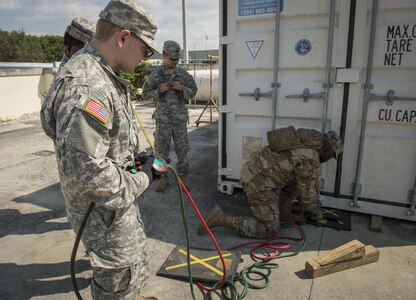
[266,207]
[164,133]
[120,283]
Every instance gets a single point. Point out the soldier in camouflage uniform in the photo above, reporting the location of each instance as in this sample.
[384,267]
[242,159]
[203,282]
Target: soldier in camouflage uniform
[171,86]
[271,180]
[76,35]
[88,116]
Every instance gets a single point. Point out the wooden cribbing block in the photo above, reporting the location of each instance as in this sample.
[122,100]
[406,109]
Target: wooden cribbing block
[353,249]
[314,269]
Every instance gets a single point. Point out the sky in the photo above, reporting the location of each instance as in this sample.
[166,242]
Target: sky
[50,17]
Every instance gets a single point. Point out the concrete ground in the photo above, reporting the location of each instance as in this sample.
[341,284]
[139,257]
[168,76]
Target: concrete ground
[36,240]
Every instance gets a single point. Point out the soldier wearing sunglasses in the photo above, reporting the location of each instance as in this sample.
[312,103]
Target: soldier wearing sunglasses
[88,116]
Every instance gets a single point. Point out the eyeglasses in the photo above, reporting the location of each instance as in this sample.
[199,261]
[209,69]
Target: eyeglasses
[149,52]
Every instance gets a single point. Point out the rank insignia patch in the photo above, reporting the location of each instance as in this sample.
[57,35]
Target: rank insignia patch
[97,110]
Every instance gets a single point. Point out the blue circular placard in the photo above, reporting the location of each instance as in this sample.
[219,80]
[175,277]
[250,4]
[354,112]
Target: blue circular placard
[303,47]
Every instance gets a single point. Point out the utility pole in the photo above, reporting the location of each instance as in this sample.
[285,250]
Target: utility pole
[185,46]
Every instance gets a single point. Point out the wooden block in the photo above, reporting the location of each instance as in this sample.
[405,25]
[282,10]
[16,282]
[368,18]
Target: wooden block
[353,249]
[314,269]
[376,222]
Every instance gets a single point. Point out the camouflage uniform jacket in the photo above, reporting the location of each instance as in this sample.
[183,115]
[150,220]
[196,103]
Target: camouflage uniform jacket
[64,60]
[170,106]
[269,170]
[92,152]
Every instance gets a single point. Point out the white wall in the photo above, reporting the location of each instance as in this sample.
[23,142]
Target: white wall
[22,91]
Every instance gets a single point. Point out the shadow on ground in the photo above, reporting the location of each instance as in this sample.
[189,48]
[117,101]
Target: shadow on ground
[27,281]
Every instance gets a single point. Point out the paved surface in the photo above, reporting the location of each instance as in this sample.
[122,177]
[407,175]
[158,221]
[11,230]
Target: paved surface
[36,240]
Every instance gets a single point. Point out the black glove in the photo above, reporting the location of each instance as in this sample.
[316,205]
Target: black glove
[141,158]
[147,167]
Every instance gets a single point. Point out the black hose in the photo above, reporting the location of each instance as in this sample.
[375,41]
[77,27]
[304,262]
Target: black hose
[75,249]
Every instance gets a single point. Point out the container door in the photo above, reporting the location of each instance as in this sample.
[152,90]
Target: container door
[276,74]
[379,162]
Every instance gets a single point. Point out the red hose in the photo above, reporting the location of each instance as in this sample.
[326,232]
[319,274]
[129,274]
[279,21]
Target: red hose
[213,240]
[276,246]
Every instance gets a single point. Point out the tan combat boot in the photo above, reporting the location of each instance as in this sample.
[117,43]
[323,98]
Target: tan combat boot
[162,184]
[216,218]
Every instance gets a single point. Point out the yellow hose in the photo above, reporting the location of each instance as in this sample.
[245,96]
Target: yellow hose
[141,126]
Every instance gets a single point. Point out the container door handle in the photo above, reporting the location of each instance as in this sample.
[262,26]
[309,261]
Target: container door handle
[257,94]
[389,97]
[306,95]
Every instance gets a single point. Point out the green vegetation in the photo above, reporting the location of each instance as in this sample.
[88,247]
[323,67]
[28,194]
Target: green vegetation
[16,46]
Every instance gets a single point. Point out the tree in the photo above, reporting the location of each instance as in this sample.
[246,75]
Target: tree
[53,47]
[137,78]
[16,46]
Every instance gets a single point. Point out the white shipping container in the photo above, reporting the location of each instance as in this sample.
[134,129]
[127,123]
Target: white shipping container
[342,65]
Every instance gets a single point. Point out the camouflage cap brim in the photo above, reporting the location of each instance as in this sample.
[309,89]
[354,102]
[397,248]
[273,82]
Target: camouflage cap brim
[150,43]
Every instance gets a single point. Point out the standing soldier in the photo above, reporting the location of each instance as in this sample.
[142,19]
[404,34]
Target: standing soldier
[288,168]
[76,35]
[171,86]
[88,116]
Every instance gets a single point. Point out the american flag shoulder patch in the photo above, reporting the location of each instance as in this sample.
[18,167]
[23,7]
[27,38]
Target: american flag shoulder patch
[97,110]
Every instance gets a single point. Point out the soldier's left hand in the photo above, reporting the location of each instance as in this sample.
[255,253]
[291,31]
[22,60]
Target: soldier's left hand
[176,85]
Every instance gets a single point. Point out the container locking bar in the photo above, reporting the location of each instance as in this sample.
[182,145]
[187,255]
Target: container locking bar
[389,97]
[306,95]
[257,94]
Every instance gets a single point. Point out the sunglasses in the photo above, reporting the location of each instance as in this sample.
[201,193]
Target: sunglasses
[149,52]
[172,59]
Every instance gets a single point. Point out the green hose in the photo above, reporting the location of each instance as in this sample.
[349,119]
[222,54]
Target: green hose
[245,279]
[185,225]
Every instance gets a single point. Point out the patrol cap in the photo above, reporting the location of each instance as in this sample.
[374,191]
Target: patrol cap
[334,142]
[172,49]
[128,14]
[81,29]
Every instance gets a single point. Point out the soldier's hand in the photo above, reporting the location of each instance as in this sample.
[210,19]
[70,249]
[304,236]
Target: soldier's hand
[176,85]
[163,88]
